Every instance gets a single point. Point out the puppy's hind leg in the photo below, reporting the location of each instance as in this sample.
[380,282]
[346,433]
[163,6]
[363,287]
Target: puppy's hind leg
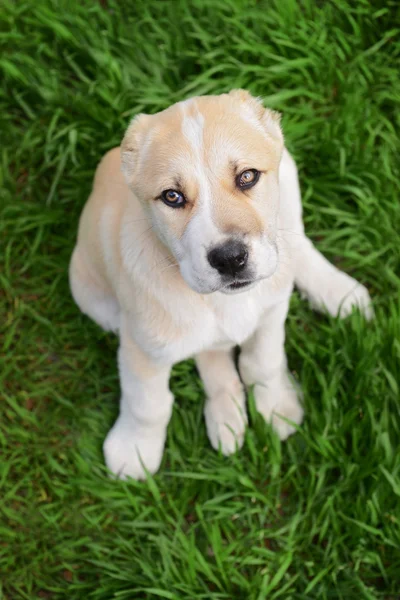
[92,295]
[326,287]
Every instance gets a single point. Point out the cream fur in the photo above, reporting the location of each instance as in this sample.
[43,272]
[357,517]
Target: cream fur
[140,269]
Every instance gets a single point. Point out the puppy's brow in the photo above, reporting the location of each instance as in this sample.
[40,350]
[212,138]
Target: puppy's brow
[178,182]
[234,165]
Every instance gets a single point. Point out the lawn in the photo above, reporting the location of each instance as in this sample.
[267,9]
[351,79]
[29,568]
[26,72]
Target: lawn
[315,517]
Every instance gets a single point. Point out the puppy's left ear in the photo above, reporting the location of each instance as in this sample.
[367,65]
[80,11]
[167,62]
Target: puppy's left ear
[270,119]
[130,146]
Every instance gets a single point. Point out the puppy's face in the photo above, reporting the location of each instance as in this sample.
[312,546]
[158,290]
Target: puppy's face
[206,171]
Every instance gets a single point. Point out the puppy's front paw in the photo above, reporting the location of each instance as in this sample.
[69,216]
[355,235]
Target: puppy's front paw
[127,450]
[345,293]
[276,401]
[354,295]
[226,420]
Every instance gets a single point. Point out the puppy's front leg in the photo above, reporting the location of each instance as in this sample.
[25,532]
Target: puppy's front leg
[138,435]
[263,364]
[225,408]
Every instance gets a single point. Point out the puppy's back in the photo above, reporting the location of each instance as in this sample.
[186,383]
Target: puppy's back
[108,171]
[99,225]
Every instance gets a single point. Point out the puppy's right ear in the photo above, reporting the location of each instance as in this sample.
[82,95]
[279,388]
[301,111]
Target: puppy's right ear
[133,139]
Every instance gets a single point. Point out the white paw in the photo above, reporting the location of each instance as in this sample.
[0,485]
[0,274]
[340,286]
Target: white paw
[356,295]
[226,420]
[345,293]
[127,451]
[276,401]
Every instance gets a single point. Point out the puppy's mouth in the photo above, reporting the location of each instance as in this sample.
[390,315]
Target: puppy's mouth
[238,286]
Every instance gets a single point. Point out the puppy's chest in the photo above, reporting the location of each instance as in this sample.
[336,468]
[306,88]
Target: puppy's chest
[236,319]
[224,322]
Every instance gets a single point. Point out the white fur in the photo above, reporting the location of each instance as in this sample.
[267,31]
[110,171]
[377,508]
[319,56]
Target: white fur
[193,128]
[170,320]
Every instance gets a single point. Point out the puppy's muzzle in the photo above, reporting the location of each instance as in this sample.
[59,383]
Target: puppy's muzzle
[229,258]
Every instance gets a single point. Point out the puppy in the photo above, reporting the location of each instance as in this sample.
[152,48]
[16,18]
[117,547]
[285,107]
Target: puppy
[190,249]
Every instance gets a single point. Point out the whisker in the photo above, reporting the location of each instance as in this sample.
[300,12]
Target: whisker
[292,232]
[169,267]
[131,222]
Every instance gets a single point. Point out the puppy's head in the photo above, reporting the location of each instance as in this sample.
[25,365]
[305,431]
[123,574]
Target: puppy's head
[206,170]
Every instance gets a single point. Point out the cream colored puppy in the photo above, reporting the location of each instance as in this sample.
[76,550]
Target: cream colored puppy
[192,249]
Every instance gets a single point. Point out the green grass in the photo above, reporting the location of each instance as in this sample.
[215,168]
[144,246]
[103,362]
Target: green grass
[316,517]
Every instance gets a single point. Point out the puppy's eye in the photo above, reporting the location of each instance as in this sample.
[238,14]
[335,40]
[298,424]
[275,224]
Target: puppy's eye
[173,198]
[247,178]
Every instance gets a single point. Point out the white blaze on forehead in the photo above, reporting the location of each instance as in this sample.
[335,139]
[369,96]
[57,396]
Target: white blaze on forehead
[145,147]
[201,226]
[193,127]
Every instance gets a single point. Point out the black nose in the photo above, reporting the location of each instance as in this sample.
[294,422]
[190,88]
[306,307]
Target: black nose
[230,258]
